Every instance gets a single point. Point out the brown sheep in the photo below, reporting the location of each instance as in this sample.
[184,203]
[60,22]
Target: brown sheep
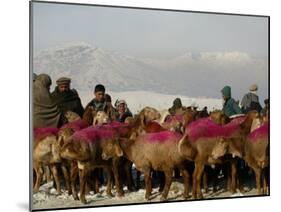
[92,148]
[203,135]
[157,151]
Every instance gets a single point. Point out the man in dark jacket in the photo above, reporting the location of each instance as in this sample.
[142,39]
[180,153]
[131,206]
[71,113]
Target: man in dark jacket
[251,100]
[65,98]
[98,102]
[230,106]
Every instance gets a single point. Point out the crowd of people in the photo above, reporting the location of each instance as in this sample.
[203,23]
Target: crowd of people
[49,107]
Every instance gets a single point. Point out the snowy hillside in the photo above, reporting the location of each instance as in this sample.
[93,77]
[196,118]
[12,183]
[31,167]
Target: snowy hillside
[190,74]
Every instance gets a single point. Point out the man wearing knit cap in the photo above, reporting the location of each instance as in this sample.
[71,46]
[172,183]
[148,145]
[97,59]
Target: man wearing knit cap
[67,99]
[250,100]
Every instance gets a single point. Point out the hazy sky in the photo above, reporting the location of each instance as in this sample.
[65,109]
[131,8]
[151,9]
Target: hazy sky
[147,33]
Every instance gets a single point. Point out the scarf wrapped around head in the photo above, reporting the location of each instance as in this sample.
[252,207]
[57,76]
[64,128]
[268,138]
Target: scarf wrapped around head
[45,111]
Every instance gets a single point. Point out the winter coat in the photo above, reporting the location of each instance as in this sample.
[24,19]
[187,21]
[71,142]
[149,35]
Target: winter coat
[98,106]
[68,101]
[230,107]
[250,102]
[45,111]
[124,116]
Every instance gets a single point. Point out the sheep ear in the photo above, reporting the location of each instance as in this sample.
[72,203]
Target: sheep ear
[143,121]
[118,151]
[95,121]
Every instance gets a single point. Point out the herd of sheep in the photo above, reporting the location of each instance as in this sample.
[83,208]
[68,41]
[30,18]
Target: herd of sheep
[154,142]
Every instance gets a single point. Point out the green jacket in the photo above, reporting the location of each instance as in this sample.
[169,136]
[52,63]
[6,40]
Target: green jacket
[68,101]
[230,107]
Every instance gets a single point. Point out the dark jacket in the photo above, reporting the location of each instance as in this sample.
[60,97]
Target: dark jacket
[98,106]
[68,101]
[124,116]
[230,107]
[104,106]
[250,102]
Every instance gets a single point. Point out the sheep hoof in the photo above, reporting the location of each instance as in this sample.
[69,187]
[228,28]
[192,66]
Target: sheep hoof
[120,194]
[147,197]
[83,200]
[163,199]
[185,196]
[76,198]
[109,194]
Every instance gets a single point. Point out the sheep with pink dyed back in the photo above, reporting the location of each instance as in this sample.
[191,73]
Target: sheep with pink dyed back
[93,147]
[157,151]
[257,154]
[210,141]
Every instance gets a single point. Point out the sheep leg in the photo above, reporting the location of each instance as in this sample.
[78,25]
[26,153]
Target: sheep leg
[200,169]
[205,181]
[185,176]
[233,177]
[148,186]
[194,182]
[56,177]
[119,187]
[47,174]
[109,181]
[129,177]
[138,179]
[73,176]
[264,183]
[258,179]
[83,176]
[39,175]
[168,182]
[96,182]
[67,178]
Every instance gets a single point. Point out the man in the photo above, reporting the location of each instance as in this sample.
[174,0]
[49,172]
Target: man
[250,100]
[177,107]
[65,98]
[123,111]
[266,107]
[45,111]
[98,102]
[112,112]
[230,106]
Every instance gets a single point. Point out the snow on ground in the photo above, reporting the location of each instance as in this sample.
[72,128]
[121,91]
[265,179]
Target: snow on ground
[137,100]
[47,197]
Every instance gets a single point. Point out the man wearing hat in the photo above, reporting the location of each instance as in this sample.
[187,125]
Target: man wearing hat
[67,99]
[251,100]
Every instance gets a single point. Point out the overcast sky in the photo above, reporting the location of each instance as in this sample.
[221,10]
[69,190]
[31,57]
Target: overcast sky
[148,33]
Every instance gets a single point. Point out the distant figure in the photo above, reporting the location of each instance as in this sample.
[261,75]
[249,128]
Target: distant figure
[98,102]
[265,110]
[45,111]
[203,113]
[67,99]
[177,107]
[123,111]
[251,100]
[112,112]
[230,107]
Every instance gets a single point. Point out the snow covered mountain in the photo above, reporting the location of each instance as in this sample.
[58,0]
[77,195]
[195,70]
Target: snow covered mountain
[202,74]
